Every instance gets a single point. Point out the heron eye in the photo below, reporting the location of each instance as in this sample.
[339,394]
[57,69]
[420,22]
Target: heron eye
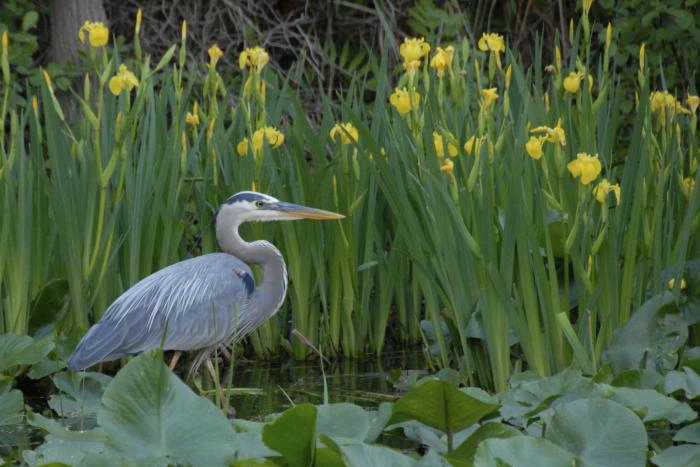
[259,204]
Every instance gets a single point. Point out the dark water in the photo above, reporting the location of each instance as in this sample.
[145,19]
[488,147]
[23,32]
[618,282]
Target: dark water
[365,383]
[263,388]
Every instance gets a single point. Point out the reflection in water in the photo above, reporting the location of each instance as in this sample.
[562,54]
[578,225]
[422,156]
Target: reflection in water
[271,387]
[360,382]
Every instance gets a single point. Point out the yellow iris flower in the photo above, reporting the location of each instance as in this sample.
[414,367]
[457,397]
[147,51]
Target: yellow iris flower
[693,102]
[586,167]
[603,188]
[123,80]
[687,187]
[192,118]
[215,53]
[472,145]
[490,96]
[346,132]
[442,60]
[672,283]
[253,58]
[401,100]
[552,135]
[534,147]
[413,49]
[572,83]
[661,101]
[493,42]
[272,135]
[447,167]
[97,32]
[440,148]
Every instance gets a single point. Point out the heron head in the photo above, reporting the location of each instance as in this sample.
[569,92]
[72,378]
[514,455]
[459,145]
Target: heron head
[247,206]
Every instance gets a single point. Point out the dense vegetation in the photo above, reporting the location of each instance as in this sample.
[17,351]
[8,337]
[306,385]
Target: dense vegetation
[516,222]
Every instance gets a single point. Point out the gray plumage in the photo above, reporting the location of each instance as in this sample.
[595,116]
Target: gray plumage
[202,302]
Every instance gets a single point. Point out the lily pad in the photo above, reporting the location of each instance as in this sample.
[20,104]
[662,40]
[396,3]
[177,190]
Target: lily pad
[522,451]
[687,381]
[678,456]
[465,452]
[22,350]
[293,435]
[151,416]
[653,406]
[342,422]
[440,405]
[81,393]
[63,446]
[600,432]
[366,455]
[651,338]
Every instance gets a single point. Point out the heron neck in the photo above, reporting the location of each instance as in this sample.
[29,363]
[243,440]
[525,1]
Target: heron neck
[270,292]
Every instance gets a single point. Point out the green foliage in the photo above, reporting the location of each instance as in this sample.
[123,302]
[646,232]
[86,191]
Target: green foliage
[146,415]
[669,30]
[151,416]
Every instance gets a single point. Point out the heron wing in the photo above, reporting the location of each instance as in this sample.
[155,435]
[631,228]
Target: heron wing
[192,304]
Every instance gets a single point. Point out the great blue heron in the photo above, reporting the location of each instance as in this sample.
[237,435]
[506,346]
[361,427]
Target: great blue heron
[202,302]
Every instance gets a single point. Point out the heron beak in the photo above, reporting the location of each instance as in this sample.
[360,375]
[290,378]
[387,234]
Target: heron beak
[302,212]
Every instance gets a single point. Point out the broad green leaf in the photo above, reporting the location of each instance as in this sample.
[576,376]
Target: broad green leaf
[653,334]
[689,434]
[327,457]
[378,421]
[691,358]
[440,405]
[653,406]
[684,455]
[65,446]
[48,307]
[22,350]
[687,381]
[640,379]
[293,435]
[522,451]
[465,452]
[342,421]
[149,415]
[600,432]
[81,393]
[365,455]
[11,404]
[533,396]
[12,433]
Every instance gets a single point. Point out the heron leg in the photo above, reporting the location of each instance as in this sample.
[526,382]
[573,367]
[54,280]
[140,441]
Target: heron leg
[212,373]
[174,359]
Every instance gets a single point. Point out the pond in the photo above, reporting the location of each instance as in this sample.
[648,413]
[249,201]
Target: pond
[362,382]
[262,388]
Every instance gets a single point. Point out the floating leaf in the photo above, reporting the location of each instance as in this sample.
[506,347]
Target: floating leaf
[653,335]
[375,456]
[522,451]
[378,421]
[440,405]
[687,381]
[81,393]
[151,416]
[689,434]
[293,435]
[342,421]
[653,406]
[600,432]
[22,350]
[63,446]
[678,456]
[465,452]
